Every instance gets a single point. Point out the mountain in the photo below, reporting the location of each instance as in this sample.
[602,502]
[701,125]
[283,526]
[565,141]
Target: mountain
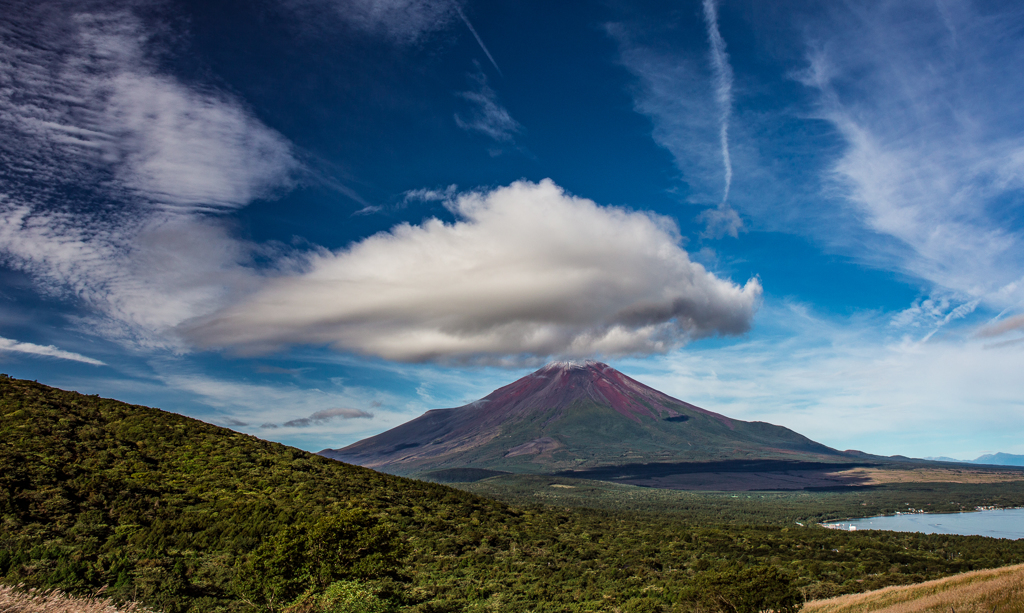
[1000,459]
[571,415]
[992,459]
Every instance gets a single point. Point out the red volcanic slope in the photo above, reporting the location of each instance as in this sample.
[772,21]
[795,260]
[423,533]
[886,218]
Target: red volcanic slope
[559,384]
[571,415]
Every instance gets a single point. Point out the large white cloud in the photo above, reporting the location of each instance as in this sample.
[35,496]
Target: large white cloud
[525,271]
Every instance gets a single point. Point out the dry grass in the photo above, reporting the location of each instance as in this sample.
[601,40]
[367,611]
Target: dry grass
[18,600]
[999,590]
[880,476]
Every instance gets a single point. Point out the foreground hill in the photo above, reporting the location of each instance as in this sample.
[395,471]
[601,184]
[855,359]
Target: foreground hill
[571,415]
[983,591]
[185,516]
[168,509]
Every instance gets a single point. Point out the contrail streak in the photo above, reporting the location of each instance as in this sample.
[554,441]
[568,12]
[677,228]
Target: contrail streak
[458,9]
[723,87]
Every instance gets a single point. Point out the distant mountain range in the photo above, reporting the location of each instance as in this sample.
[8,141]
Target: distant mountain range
[997,459]
[576,416]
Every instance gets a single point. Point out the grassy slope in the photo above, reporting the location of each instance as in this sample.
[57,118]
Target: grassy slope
[984,591]
[54,601]
[166,510]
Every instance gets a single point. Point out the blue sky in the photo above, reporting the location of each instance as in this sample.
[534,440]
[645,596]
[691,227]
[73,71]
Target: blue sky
[312,220]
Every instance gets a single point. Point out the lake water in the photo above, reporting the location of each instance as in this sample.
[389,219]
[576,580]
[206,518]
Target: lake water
[998,523]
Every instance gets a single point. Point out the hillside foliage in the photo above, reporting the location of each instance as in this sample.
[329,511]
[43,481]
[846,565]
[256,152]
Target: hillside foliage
[185,516]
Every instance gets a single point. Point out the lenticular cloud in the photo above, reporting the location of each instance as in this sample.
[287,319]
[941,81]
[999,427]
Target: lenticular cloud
[526,271]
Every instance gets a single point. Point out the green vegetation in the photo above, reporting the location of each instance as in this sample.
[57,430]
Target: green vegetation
[741,508]
[184,516]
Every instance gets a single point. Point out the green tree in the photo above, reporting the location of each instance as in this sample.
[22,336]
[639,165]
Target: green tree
[752,589]
[346,545]
[351,544]
[342,597]
[271,576]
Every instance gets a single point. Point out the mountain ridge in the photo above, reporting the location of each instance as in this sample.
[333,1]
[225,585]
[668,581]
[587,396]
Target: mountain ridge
[992,459]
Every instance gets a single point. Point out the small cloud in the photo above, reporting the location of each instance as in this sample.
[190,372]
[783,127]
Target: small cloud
[707,257]
[923,313]
[413,195]
[277,370]
[998,328]
[48,351]
[269,426]
[487,116]
[402,22]
[322,417]
[369,210]
[431,195]
[328,414]
[721,221]
[234,423]
[933,314]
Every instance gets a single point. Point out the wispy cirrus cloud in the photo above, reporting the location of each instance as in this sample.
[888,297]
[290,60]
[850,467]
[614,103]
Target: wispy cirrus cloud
[722,78]
[402,21]
[480,41]
[90,105]
[111,169]
[525,273]
[676,92]
[486,114]
[48,351]
[903,152]
[138,279]
[934,155]
[690,102]
[431,195]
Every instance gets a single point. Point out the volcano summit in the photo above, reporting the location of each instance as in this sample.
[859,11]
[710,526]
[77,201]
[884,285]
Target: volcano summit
[570,416]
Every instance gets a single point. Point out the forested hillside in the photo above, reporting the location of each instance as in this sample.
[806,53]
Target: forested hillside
[182,515]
